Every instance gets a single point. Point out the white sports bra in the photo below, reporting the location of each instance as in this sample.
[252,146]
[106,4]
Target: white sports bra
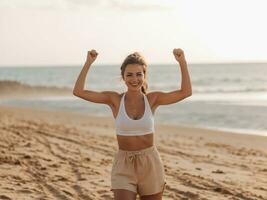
[129,127]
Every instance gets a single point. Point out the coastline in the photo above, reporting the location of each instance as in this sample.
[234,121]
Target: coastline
[205,112]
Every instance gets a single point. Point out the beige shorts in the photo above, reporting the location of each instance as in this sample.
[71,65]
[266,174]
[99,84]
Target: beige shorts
[140,171]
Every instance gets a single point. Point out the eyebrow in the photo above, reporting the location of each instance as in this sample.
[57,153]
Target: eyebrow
[132,72]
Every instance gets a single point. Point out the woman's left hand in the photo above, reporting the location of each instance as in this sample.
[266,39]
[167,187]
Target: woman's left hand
[179,55]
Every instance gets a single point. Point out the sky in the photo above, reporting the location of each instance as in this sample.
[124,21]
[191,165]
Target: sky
[60,32]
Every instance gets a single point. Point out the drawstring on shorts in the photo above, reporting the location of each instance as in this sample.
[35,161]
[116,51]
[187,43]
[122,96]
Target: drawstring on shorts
[133,155]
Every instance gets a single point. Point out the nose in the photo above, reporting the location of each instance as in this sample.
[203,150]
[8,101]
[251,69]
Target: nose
[134,77]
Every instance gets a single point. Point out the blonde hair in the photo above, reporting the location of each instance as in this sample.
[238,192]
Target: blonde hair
[136,58]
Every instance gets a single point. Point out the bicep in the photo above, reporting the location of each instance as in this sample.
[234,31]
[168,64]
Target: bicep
[165,98]
[104,97]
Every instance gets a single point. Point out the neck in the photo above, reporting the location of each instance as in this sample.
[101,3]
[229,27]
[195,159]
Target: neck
[134,94]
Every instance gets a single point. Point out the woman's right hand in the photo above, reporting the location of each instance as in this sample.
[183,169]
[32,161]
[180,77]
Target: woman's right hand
[91,56]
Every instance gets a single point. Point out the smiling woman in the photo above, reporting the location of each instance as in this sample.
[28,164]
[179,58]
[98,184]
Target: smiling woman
[137,166]
[134,71]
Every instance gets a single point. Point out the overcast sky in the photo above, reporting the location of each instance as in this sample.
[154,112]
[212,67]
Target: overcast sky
[59,32]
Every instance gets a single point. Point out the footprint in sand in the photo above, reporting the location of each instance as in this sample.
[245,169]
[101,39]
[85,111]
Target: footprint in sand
[68,193]
[218,171]
[54,165]
[4,197]
[105,161]
[26,191]
[87,159]
[61,178]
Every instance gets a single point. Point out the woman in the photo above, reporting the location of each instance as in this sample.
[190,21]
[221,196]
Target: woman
[137,166]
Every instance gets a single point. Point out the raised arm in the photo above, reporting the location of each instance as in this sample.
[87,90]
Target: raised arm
[105,97]
[165,98]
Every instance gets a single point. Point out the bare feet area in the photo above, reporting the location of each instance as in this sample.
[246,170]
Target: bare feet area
[65,156]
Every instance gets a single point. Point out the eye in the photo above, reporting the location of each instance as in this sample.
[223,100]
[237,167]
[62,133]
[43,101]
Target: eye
[129,74]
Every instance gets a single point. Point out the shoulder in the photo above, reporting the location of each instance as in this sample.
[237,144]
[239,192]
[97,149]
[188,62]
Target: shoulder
[115,97]
[113,94]
[152,97]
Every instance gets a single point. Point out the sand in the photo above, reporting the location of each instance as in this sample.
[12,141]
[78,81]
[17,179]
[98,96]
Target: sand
[62,155]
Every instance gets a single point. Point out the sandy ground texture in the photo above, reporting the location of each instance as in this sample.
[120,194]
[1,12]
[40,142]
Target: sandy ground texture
[67,156]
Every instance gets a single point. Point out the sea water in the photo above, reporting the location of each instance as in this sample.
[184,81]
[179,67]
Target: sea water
[231,97]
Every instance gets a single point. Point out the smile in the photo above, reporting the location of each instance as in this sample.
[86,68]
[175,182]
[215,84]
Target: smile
[135,84]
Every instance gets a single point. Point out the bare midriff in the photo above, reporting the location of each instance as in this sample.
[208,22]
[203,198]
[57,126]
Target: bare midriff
[135,143]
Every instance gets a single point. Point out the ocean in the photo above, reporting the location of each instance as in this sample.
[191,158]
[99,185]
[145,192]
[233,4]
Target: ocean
[228,97]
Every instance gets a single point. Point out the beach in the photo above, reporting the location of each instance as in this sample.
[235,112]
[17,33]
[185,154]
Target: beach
[201,67]
[64,155]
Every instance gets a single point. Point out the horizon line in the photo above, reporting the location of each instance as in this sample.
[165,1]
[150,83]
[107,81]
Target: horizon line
[112,64]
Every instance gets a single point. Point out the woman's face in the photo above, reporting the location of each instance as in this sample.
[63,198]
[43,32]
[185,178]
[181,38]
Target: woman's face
[134,76]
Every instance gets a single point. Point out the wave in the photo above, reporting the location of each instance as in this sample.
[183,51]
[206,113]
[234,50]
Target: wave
[10,89]
[229,90]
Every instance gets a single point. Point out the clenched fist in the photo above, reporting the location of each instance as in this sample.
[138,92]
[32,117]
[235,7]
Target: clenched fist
[91,56]
[179,55]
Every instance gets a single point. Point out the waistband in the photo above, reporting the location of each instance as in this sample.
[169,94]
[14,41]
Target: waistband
[138,152]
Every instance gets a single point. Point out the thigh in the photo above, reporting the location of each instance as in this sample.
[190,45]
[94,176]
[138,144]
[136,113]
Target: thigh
[121,194]
[157,196]
[151,176]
